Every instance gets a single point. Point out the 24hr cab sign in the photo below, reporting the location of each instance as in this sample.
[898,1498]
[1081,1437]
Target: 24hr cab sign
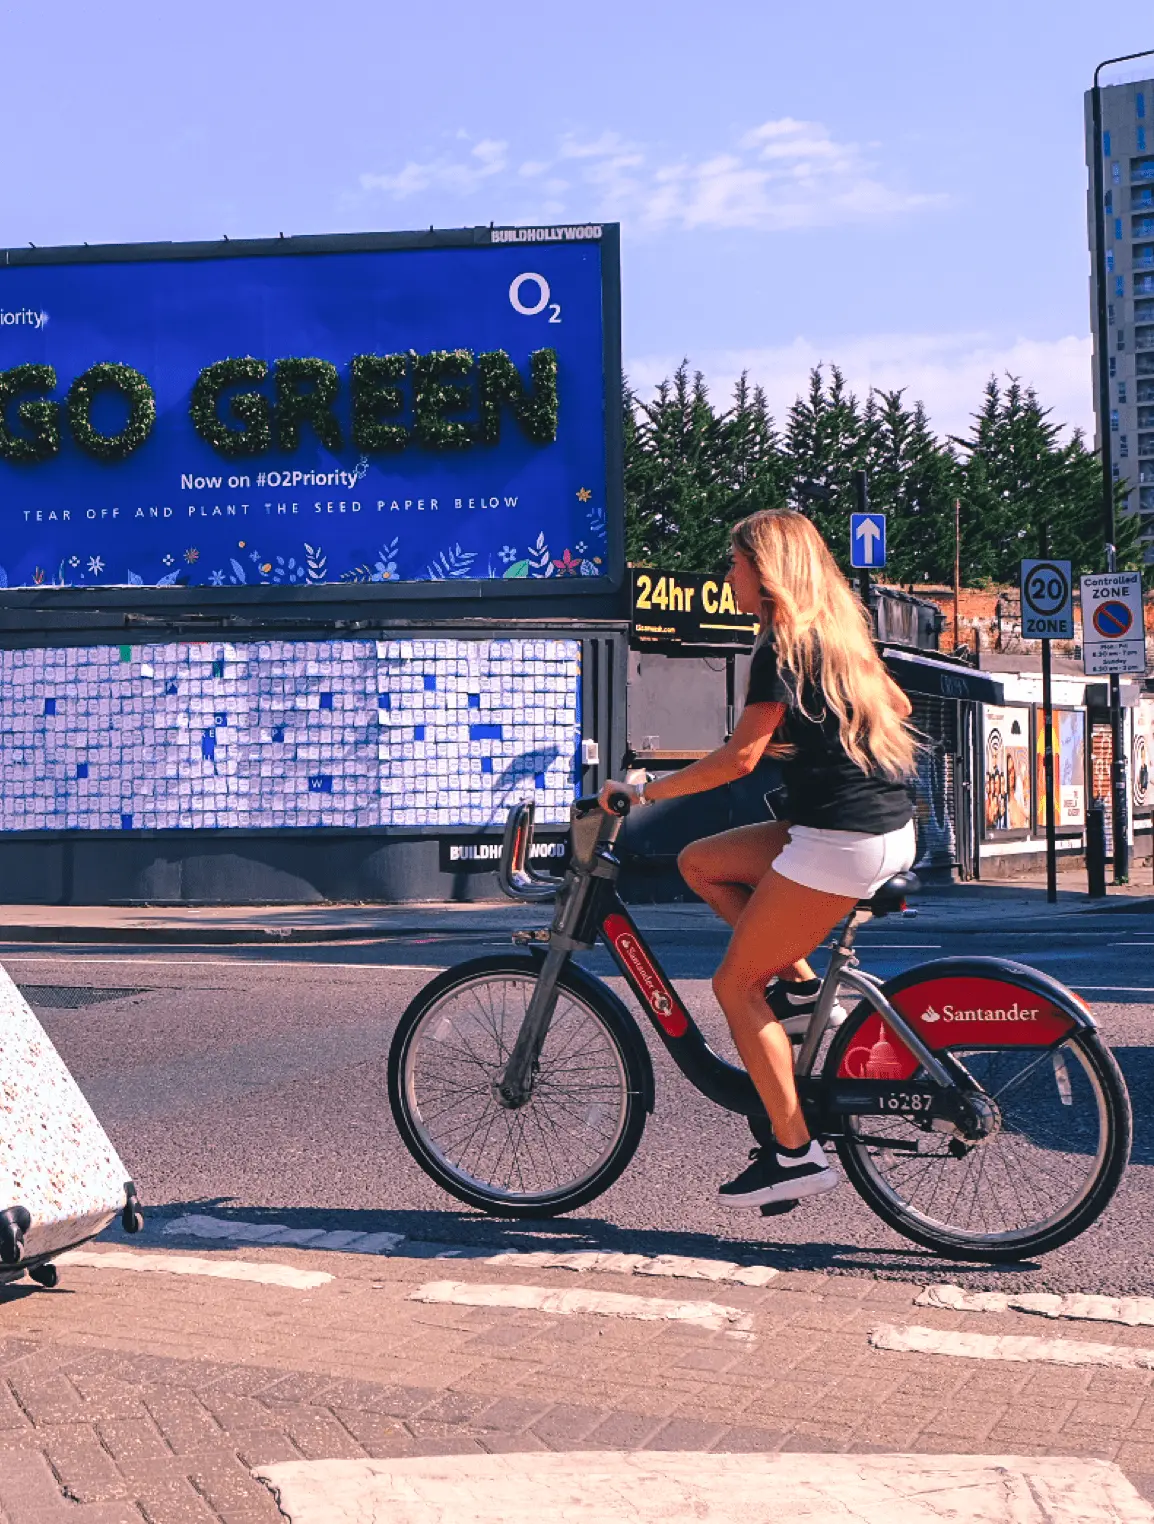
[1113,633]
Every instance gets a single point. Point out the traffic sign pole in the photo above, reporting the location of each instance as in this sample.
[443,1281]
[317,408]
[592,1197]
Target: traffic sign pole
[1118,786]
[1048,767]
[862,494]
[1048,614]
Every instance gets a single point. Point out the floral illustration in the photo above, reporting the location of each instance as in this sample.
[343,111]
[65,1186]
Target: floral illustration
[192,555]
[568,565]
[216,579]
[74,560]
[540,562]
[452,563]
[386,563]
[508,553]
[316,564]
[95,565]
[168,560]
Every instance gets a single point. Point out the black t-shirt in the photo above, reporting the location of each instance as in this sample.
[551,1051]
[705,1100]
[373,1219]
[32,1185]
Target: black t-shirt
[824,786]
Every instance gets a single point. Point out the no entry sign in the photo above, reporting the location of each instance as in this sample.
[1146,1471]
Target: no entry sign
[1113,637]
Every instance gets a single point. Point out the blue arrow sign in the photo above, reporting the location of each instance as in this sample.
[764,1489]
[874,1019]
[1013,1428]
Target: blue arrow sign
[867,540]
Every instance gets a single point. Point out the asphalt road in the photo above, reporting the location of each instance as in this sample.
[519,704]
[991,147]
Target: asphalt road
[253,1083]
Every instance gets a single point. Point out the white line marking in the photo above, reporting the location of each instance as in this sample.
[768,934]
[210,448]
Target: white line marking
[1016,1347]
[1134,1311]
[674,1266]
[1121,989]
[605,1304]
[417,968]
[900,946]
[669,1487]
[225,1230]
[189,1264]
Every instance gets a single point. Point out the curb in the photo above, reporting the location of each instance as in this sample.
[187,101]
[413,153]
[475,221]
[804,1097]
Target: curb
[270,936]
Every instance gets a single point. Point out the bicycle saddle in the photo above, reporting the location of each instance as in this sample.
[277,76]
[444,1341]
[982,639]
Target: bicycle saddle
[892,895]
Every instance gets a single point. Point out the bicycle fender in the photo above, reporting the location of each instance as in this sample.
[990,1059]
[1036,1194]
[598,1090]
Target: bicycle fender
[964,1002]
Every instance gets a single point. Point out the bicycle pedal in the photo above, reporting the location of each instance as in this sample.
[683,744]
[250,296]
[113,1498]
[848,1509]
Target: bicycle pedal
[776,1208]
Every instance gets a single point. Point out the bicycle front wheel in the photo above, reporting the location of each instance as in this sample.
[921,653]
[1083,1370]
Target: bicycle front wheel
[585,1116]
[1046,1172]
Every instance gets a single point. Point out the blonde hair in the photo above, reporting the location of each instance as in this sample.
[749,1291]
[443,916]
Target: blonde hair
[822,635]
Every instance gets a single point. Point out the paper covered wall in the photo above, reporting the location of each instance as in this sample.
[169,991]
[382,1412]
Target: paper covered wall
[275,734]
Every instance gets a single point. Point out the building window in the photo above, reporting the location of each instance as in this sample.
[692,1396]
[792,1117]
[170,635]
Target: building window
[1113,366]
[1121,338]
[1123,447]
[1116,173]
[1109,203]
[1110,313]
[1140,105]
[1122,392]
[1119,285]
[1109,259]
[1114,421]
[1141,140]
[1118,229]
[1106,144]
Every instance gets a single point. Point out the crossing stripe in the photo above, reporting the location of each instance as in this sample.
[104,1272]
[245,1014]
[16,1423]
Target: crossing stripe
[1133,1311]
[605,1304]
[1020,1348]
[679,1487]
[188,1264]
[344,1240]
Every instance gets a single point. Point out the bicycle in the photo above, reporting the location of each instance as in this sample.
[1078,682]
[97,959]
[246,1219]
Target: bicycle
[972,1103]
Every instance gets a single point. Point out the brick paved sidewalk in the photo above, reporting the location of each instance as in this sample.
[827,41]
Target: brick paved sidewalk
[146,1399]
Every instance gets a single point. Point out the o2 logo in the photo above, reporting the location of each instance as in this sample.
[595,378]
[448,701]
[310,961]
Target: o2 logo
[538,287]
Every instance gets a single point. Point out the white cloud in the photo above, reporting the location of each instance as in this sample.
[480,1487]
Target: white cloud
[443,173]
[782,174]
[945,371]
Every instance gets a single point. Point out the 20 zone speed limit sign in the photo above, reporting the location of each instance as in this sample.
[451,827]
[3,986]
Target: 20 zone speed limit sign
[1047,600]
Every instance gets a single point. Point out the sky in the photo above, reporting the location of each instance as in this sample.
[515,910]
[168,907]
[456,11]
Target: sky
[897,188]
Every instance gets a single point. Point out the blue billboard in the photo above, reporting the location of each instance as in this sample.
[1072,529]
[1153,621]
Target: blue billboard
[311,414]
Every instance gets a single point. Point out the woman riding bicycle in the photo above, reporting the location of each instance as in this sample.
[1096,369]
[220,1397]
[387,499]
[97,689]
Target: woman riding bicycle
[820,700]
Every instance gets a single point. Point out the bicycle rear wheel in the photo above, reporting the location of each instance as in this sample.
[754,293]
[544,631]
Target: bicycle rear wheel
[1048,1170]
[581,1125]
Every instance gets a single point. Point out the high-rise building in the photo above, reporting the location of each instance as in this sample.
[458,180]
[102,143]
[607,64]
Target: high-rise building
[1128,186]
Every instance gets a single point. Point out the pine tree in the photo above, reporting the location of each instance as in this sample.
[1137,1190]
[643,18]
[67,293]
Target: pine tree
[826,440]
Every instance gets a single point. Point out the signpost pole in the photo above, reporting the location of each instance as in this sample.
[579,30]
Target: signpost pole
[730,693]
[862,494]
[1048,766]
[1118,783]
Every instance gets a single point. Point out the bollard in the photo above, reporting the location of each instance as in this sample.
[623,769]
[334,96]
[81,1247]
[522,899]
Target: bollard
[1096,849]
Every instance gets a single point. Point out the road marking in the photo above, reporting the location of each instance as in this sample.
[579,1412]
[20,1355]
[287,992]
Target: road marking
[1016,1347]
[899,946]
[1121,989]
[604,1304]
[188,1264]
[338,1240]
[1133,1311]
[343,1240]
[90,951]
[672,1487]
[676,1266]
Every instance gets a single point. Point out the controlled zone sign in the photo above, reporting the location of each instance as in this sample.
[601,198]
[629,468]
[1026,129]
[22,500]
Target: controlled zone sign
[1047,600]
[867,540]
[1113,634]
[304,413]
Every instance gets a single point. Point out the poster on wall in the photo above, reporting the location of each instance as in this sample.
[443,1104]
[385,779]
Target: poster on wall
[1142,761]
[308,413]
[1007,768]
[1069,768]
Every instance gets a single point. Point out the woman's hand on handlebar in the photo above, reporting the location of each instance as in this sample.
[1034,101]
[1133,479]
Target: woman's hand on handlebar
[612,793]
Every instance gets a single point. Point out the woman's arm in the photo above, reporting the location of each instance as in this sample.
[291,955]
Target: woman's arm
[736,759]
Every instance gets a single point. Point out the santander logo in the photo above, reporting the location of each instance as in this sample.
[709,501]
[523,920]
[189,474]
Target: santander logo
[1012,1012]
[648,982]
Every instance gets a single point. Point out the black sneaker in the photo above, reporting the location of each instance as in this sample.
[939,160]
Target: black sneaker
[793,1004]
[773,1176]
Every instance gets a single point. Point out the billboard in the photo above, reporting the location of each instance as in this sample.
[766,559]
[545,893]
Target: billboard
[310,413]
[1008,799]
[1069,768]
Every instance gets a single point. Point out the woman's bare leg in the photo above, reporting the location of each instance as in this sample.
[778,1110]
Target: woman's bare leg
[780,923]
[725,870]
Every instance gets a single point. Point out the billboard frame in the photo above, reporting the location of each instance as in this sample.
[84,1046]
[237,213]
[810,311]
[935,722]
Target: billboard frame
[380,601]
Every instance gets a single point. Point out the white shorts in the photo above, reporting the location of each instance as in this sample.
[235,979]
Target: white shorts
[852,863]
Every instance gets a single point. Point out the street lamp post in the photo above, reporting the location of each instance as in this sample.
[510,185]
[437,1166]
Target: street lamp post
[1118,783]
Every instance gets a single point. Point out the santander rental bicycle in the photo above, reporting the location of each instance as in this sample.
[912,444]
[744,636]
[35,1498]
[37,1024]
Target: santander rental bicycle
[972,1102]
